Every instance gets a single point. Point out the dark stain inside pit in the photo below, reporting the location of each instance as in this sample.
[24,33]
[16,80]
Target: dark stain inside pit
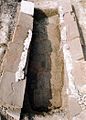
[38,88]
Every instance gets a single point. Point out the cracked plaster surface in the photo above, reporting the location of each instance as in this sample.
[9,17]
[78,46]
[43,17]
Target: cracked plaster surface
[20,75]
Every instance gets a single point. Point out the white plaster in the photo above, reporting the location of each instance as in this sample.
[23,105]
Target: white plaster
[67,55]
[20,73]
[67,91]
[69,63]
[27,7]
[61,14]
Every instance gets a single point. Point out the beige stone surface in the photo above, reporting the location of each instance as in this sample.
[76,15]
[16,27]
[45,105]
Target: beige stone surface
[66,5]
[12,57]
[27,7]
[12,92]
[79,70]
[72,29]
[73,36]
[74,107]
[23,25]
[76,49]
[81,116]
[47,6]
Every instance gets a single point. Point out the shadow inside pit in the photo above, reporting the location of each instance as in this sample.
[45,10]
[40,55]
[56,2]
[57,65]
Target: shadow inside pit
[38,86]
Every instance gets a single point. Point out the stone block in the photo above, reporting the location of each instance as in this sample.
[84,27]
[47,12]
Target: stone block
[81,116]
[66,5]
[76,49]
[49,7]
[19,91]
[12,90]
[46,78]
[12,57]
[74,107]
[79,69]
[6,87]
[72,29]
[23,25]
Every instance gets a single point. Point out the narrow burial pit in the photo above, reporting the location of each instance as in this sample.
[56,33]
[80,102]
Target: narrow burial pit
[45,69]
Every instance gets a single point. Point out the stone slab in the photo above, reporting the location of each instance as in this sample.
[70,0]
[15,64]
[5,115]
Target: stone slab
[12,57]
[27,7]
[44,5]
[72,29]
[74,107]
[81,116]
[76,49]
[66,5]
[81,16]
[79,70]
[12,92]
[23,25]
[6,86]
[49,8]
